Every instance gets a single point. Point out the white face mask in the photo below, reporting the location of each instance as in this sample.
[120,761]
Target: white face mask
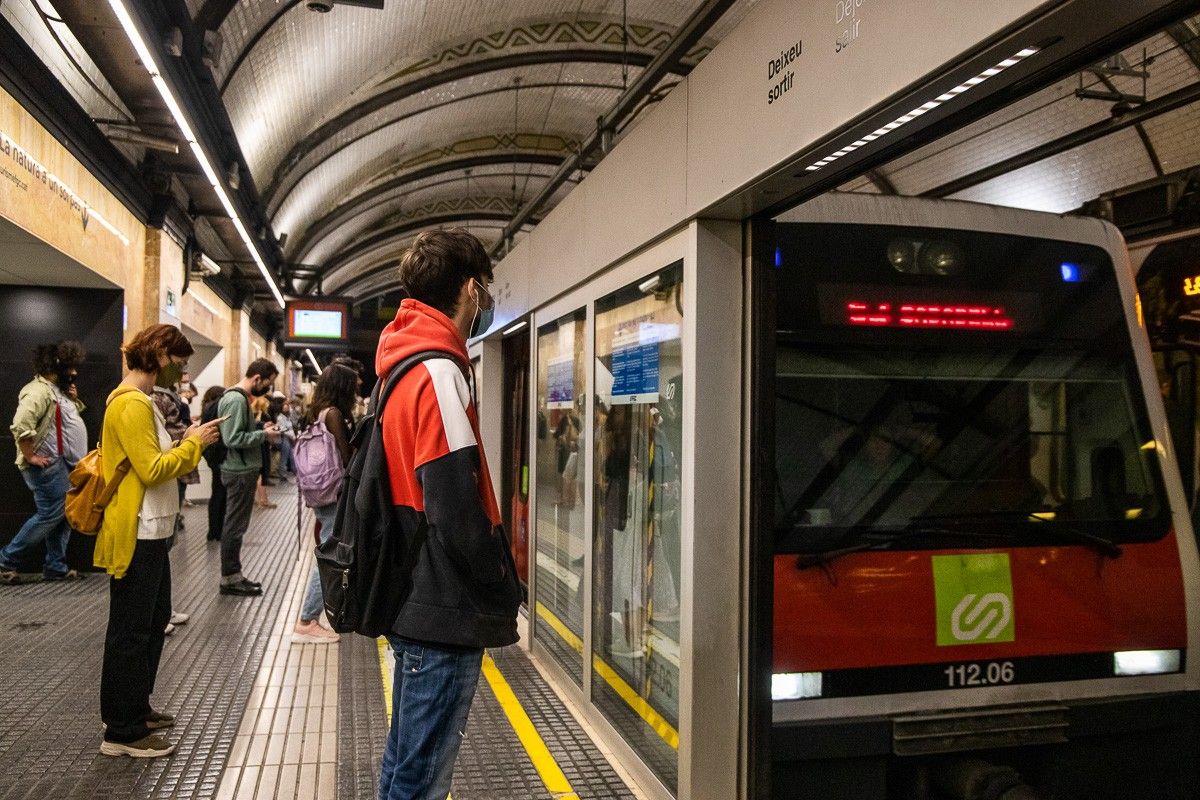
[483,316]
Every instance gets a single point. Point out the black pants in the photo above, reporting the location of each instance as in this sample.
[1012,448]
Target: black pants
[139,609]
[239,503]
[216,506]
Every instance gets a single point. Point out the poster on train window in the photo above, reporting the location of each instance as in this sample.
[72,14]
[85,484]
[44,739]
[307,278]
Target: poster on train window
[635,360]
[560,382]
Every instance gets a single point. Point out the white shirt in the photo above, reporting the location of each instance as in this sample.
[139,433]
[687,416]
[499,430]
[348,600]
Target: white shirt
[160,505]
[74,433]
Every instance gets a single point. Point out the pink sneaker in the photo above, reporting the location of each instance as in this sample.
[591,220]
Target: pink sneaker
[313,633]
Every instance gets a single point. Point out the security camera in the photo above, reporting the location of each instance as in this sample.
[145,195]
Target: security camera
[319,6]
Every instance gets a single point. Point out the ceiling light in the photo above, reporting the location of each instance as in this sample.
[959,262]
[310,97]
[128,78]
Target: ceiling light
[160,83]
[925,108]
[312,359]
[515,328]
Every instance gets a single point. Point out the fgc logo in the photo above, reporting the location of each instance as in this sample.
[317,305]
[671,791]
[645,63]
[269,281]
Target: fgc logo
[983,618]
[974,599]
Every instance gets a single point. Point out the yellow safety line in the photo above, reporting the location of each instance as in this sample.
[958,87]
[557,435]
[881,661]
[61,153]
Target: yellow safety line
[548,770]
[383,674]
[626,692]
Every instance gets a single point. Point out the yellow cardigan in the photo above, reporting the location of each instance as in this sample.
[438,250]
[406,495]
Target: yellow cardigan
[129,432]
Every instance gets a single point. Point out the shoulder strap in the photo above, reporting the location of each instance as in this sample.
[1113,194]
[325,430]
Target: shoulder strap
[380,396]
[110,488]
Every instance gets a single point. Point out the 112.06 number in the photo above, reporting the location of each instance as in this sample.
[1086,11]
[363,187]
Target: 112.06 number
[989,674]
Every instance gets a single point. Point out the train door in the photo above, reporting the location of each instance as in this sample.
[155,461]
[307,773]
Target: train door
[514,481]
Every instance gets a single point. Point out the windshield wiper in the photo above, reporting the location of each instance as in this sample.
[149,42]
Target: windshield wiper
[1063,530]
[885,541]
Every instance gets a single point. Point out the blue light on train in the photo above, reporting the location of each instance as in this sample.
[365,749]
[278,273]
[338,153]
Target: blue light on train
[1070,272]
[778,257]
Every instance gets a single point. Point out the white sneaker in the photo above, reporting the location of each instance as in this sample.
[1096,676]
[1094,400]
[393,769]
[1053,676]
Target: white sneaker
[179,618]
[169,629]
[313,633]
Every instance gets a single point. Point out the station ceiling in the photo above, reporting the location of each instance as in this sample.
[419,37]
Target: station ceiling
[361,127]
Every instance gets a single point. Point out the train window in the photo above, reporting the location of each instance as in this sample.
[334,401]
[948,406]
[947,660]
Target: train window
[636,593]
[936,433]
[559,519]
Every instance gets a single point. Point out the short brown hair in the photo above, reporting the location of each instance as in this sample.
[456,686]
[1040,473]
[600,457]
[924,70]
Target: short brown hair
[437,265]
[262,368]
[143,350]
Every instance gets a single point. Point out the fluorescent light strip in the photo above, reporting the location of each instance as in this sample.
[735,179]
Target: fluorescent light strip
[312,359]
[515,328]
[160,83]
[925,108]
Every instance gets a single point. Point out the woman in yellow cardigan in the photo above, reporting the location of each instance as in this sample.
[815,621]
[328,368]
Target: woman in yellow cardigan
[132,542]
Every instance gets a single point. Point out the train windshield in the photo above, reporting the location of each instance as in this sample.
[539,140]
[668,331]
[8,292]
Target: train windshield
[981,394]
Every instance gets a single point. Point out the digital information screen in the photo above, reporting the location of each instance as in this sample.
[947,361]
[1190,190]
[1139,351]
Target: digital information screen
[318,321]
[317,324]
[927,308]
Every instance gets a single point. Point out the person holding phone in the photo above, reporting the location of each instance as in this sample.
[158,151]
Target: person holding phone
[133,540]
[240,470]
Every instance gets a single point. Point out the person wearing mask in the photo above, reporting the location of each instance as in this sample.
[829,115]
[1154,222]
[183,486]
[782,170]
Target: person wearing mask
[213,456]
[333,399]
[464,594]
[51,439]
[240,470]
[132,542]
[287,435]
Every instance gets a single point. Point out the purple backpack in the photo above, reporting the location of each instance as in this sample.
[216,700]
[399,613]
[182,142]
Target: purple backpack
[319,470]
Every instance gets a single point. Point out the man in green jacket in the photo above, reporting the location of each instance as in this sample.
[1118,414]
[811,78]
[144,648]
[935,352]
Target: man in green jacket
[51,439]
[240,470]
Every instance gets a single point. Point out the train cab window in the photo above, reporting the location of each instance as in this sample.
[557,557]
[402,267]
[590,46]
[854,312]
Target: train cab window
[984,396]
[637,536]
[561,447]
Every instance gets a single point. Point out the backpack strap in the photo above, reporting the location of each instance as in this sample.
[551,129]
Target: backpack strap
[384,388]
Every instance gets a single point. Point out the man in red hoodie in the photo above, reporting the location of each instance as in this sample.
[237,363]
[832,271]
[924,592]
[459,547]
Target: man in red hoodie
[465,592]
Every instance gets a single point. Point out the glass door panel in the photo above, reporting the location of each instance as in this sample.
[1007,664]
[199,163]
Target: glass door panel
[559,514]
[638,433]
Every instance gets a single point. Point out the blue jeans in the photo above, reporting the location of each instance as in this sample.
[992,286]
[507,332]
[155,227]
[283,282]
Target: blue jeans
[48,524]
[314,601]
[431,698]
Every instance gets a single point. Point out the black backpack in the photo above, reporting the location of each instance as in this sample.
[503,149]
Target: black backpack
[215,453]
[366,567]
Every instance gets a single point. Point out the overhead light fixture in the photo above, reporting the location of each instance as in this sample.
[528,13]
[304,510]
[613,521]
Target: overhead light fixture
[160,83]
[164,144]
[312,359]
[925,108]
[515,328]
[650,284]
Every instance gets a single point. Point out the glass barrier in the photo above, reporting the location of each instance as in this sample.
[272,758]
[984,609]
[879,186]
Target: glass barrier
[561,443]
[638,434]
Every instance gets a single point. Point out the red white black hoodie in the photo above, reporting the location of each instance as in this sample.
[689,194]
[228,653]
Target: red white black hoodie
[464,590]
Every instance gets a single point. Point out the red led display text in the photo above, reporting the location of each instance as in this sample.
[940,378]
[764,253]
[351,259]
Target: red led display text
[953,316]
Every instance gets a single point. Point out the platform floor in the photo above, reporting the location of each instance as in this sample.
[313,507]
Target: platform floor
[257,717]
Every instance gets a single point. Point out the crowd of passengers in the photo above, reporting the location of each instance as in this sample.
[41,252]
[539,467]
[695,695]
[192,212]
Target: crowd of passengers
[464,592]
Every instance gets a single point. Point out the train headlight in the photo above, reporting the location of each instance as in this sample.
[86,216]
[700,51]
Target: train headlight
[1147,662]
[795,685]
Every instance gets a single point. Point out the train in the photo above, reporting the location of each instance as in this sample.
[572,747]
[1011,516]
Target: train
[984,572]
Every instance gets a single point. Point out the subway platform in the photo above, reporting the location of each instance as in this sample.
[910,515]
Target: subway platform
[258,717]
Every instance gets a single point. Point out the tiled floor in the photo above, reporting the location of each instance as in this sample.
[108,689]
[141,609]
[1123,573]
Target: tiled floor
[259,718]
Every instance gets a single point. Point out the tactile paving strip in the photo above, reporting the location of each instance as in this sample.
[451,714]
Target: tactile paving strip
[362,718]
[51,647]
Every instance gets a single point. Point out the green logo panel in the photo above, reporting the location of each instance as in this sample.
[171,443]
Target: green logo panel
[974,599]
